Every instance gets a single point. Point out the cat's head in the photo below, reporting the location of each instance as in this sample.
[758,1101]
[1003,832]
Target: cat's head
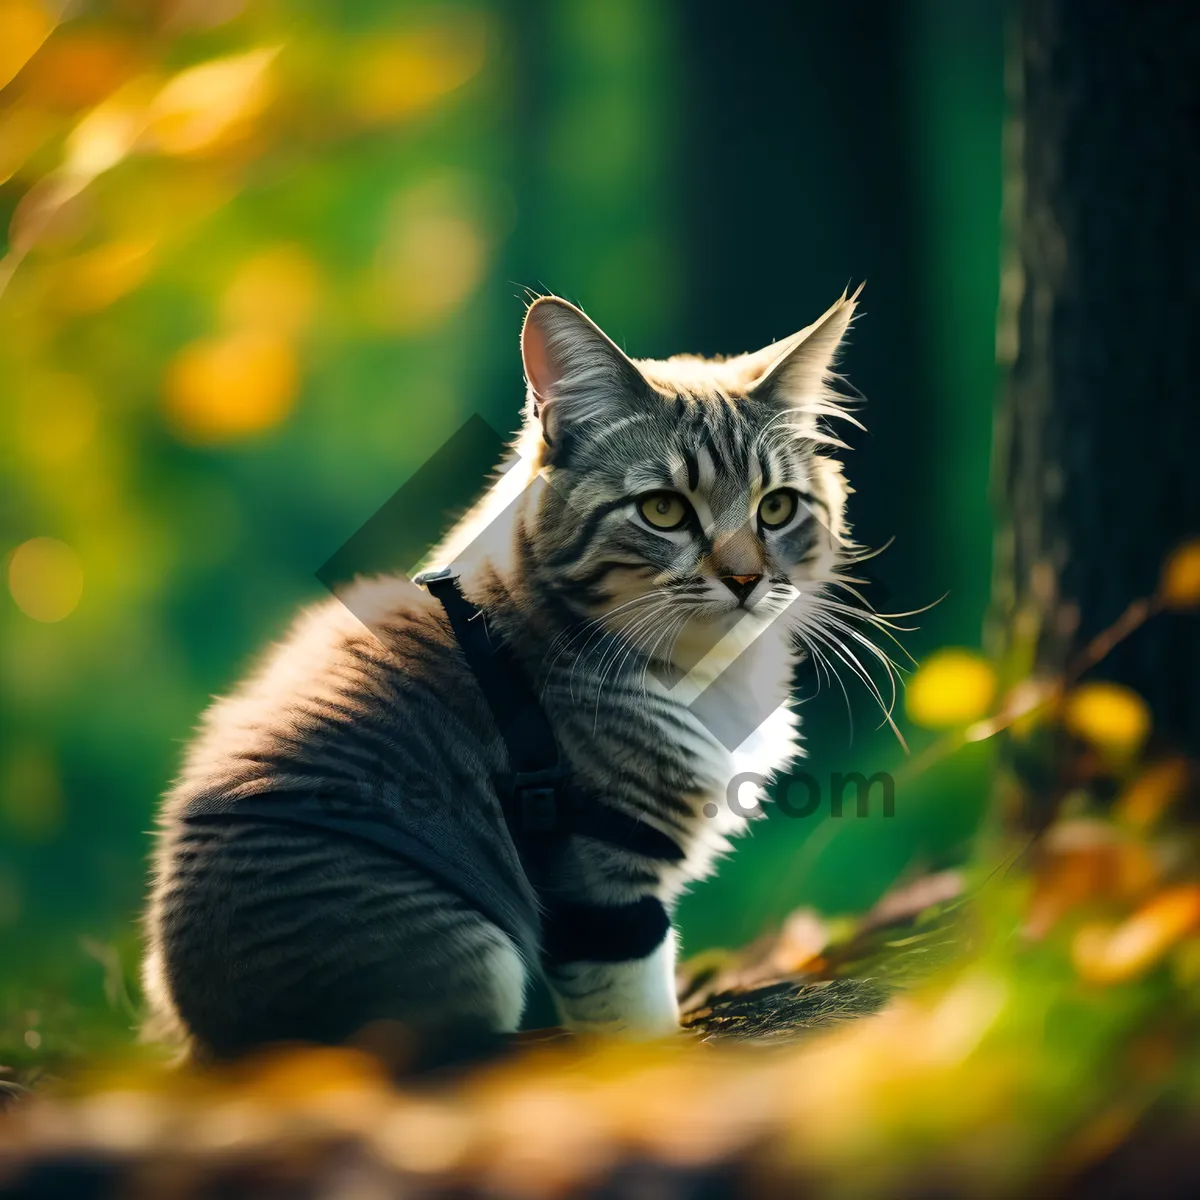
[686,487]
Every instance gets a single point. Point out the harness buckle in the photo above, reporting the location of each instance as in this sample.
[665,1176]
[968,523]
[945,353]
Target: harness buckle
[536,800]
[434,575]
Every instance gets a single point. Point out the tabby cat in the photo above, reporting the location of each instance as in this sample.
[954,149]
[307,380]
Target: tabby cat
[657,525]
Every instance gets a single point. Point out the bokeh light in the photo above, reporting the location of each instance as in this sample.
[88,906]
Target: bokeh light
[1109,716]
[45,577]
[1180,586]
[275,290]
[950,688]
[434,253]
[398,76]
[229,387]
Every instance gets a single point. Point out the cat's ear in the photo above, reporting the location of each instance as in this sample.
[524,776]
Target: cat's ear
[797,370]
[575,372]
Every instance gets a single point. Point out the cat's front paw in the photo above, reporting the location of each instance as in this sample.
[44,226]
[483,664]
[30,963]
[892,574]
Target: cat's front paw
[631,999]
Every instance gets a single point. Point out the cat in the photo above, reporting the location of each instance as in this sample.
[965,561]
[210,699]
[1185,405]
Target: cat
[657,524]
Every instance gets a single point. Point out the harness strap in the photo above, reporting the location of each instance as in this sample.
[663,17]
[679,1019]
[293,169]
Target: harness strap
[541,805]
[573,932]
[544,808]
[528,736]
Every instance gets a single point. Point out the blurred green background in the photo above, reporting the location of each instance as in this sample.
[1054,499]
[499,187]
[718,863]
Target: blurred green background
[262,259]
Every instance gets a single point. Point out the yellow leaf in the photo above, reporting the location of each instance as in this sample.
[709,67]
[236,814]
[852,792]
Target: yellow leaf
[23,28]
[951,688]
[106,135]
[1109,716]
[98,143]
[287,1076]
[1180,584]
[803,937]
[213,104]
[219,389]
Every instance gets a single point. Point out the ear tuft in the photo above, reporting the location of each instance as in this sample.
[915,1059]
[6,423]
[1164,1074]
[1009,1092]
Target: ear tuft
[575,372]
[801,371]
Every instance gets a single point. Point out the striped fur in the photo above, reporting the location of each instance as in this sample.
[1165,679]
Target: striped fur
[260,931]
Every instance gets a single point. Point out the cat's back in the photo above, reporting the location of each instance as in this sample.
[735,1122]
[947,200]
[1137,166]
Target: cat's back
[372,665]
[364,717]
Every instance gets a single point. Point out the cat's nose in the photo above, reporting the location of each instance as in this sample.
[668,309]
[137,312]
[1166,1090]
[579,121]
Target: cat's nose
[741,585]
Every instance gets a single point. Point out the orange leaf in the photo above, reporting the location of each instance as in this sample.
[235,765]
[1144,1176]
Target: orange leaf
[1114,955]
[1153,792]
[1180,584]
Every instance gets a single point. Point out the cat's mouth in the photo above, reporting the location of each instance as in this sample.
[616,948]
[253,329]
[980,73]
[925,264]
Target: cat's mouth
[731,595]
[701,606]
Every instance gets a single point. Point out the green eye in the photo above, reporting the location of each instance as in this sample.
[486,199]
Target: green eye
[663,510]
[777,508]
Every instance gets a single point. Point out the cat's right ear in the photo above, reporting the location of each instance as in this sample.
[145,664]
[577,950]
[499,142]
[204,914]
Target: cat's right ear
[799,369]
[574,371]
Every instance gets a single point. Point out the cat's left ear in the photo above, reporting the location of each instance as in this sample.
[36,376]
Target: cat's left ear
[797,371]
[574,370]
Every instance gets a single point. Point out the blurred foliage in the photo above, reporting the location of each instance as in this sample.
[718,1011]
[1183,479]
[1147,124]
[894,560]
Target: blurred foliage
[245,245]
[1050,1053]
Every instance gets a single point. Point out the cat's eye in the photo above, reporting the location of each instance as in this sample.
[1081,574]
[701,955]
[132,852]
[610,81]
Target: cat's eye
[777,508]
[663,510]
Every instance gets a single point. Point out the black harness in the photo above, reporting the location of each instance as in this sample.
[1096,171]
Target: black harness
[542,809]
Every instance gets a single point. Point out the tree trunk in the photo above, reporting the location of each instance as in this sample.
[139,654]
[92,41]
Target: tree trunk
[1100,425]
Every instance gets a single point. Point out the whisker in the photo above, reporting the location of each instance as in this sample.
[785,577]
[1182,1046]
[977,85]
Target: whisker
[614,666]
[885,627]
[814,649]
[842,651]
[568,635]
[672,630]
[845,581]
[888,665]
[600,630]
[860,554]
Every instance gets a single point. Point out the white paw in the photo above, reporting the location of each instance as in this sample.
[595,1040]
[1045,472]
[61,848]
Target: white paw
[631,999]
